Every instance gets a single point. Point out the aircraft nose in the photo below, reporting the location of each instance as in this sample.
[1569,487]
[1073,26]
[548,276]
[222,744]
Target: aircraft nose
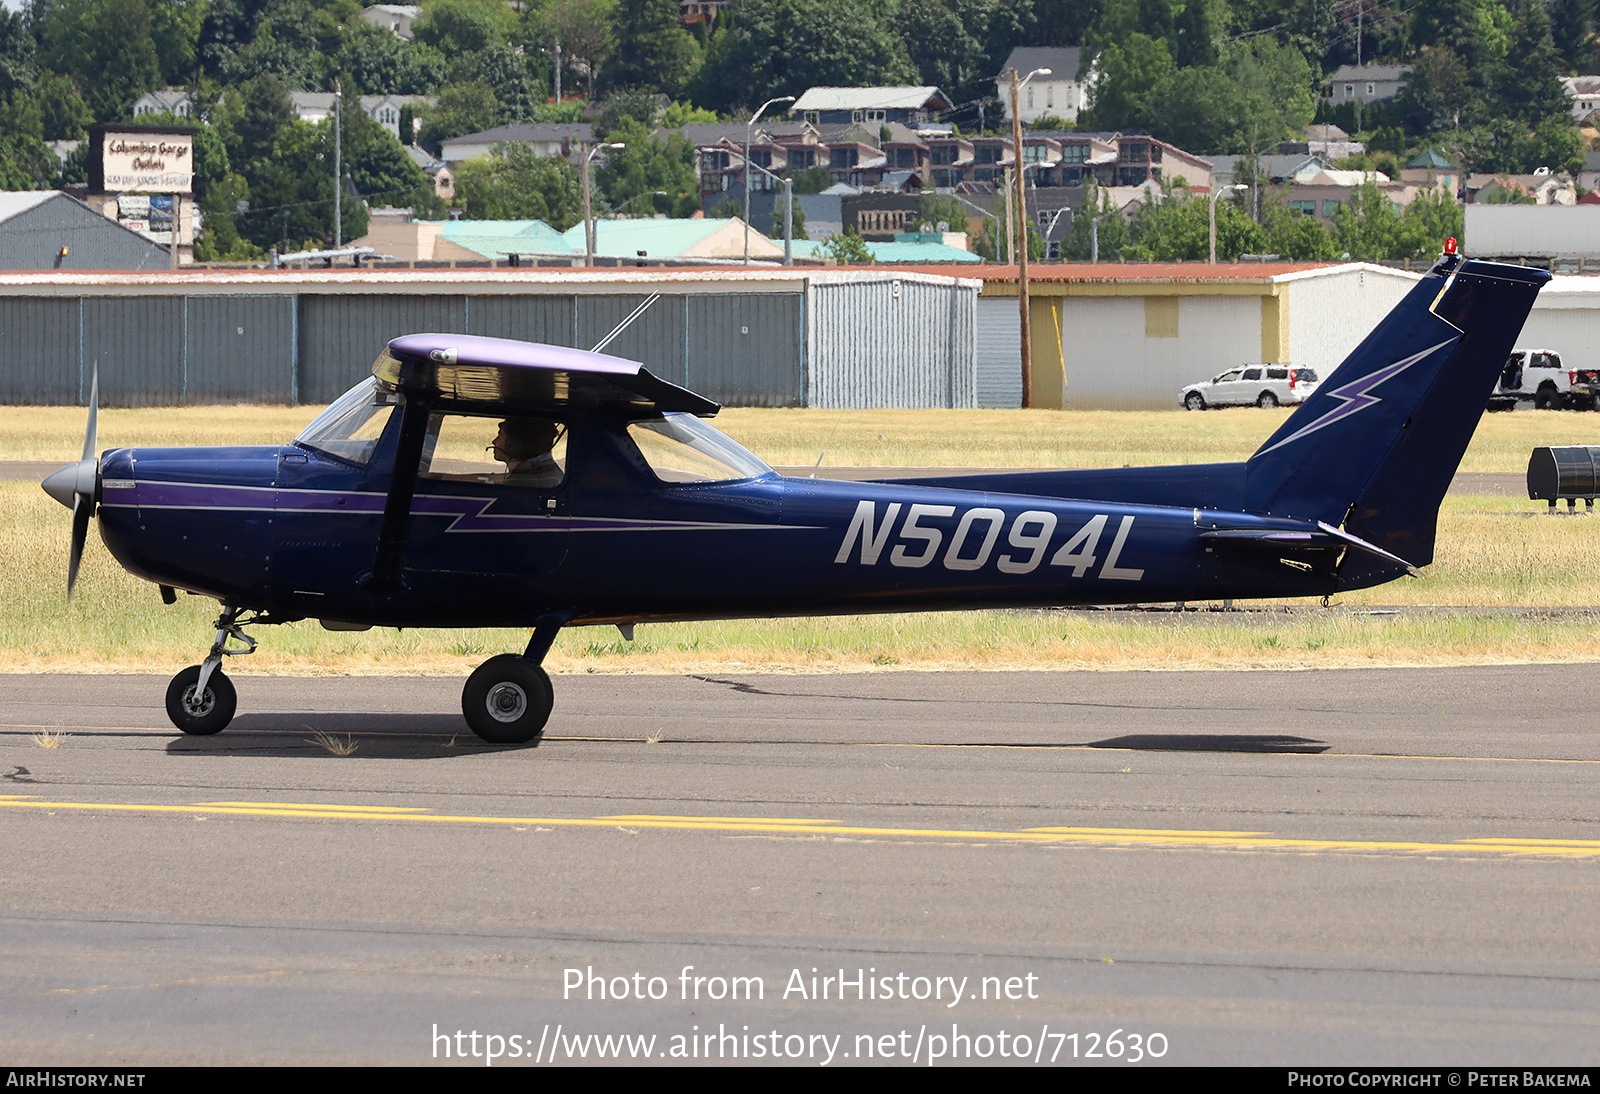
[74,479]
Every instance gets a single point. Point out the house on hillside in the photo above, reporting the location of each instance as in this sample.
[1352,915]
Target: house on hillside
[544,140]
[1364,83]
[870,105]
[317,106]
[169,100]
[1584,94]
[394,18]
[1061,94]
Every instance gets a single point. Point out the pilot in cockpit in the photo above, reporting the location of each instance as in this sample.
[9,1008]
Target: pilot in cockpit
[525,446]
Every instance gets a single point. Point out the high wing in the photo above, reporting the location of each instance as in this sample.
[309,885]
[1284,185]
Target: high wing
[469,369]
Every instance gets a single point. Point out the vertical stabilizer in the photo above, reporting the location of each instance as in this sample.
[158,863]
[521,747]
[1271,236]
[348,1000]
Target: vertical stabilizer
[1375,448]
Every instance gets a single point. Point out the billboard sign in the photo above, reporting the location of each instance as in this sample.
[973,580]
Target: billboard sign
[147,163]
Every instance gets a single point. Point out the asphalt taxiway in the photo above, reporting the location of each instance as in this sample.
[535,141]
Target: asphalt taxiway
[1370,866]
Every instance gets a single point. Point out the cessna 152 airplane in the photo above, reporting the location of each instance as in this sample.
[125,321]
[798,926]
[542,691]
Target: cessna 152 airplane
[480,482]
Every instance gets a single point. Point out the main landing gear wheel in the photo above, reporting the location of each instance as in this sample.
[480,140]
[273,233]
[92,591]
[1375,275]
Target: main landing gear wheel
[204,714]
[508,700]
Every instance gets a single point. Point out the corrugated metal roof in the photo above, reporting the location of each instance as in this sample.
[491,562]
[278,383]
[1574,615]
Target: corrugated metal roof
[498,238]
[20,201]
[866,98]
[1169,273]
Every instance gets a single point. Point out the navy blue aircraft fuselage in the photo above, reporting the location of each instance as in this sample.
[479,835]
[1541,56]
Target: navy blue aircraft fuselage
[480,482]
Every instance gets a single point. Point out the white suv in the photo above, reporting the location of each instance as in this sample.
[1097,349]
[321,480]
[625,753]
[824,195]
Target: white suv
[1263,385]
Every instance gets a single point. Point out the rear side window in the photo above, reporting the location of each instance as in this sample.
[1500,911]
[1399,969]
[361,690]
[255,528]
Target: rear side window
[1277,374]
[1252,374]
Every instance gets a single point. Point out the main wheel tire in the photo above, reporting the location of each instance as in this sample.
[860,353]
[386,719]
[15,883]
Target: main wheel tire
[207,714]
[1194,401]
[507,700]
[1268,401]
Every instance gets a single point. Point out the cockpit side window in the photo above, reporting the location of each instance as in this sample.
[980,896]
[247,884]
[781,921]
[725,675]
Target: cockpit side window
[353,423]
[682,448]
[525,450]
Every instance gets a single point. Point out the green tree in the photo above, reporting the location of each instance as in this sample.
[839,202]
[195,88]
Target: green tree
[120,63]
[461,109]
[381,64]
[813,180]
[1112,234]
[654,52]
[1435,92]
[1178,228]
[797,220]
[175,31]
[266,113]
[996,241]
[19,69]
[847,247]
[1297,236]
[1369,228]
[457,27]
[1432,217]
[783,47]
[513,183]
[1572,28]
[1130,72]
[647,165]
[586,30]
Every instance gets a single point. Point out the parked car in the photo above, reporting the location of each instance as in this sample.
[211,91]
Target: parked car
[1263,385]
[1539,377]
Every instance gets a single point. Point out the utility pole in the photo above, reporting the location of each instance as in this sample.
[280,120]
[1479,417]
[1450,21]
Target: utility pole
[788,222]
[588,216]
[1019,227]
[558,71]
[338,168]
[1361,11]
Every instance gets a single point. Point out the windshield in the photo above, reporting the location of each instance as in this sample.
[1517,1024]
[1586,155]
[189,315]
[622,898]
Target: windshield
[352,424]
[682,448]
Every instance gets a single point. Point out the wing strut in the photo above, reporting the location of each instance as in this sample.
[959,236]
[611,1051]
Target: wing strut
[626,323]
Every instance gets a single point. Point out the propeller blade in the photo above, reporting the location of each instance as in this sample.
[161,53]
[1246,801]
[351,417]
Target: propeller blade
[90,434]
[82,510]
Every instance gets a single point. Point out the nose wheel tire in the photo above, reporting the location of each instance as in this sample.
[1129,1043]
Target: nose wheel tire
[507,700]
[205,714]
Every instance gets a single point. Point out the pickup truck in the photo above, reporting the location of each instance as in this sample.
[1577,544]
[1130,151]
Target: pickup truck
[1539,377]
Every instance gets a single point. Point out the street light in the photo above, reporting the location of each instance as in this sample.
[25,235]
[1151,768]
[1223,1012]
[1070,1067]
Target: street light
[788,216]
[1215,194]
[986,213]
[1020,227]
[588,214]
[636,197]
[748,126]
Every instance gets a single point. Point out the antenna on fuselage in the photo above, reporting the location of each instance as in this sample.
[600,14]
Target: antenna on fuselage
[622,326]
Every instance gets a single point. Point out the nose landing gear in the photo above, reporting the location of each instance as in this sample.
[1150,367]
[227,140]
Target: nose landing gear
[200,699]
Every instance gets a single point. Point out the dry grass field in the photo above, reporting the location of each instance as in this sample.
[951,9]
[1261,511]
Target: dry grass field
[1494,553]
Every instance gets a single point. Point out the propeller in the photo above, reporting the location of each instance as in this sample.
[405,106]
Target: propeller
[77,485]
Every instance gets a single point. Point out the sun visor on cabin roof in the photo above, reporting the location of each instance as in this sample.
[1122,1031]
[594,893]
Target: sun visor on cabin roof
[468,368]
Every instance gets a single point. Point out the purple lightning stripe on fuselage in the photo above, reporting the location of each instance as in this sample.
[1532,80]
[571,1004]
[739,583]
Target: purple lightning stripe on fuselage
[468,512]
[1355,395]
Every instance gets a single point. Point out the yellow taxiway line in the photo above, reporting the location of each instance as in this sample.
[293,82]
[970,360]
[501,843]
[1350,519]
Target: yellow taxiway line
[1124,837]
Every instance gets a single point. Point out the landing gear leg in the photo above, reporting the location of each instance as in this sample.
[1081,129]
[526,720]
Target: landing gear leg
[200,699]
[508,699]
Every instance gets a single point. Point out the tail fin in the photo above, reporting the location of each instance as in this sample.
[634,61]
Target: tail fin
[1375,448]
